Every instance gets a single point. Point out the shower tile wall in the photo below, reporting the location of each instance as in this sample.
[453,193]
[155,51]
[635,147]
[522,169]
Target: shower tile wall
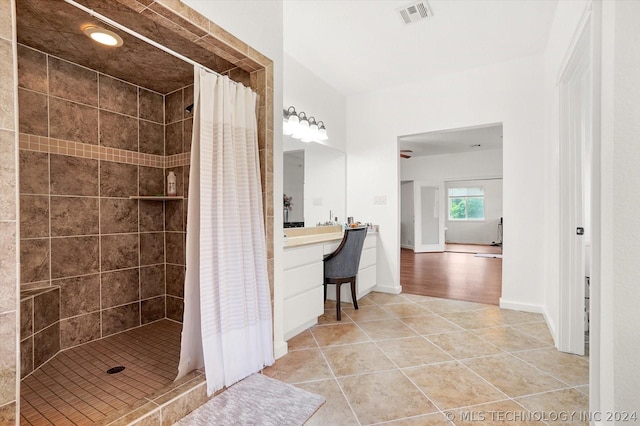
[8,222]
[79,230]
[179,124]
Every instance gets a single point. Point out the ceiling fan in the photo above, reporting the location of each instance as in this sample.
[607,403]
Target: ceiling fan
[405,153]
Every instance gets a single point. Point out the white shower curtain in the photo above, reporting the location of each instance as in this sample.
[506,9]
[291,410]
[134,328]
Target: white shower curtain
[227,326]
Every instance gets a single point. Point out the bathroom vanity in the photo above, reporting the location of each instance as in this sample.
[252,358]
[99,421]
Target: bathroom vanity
[304,250]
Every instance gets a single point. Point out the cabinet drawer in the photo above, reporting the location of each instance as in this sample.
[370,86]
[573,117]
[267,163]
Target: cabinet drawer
[367,258]
[299,256]
[331,247]
[303,278]
[370,241]
[303,308]
[366,280]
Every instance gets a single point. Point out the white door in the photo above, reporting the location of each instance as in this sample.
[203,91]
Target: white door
[429,214]
[575,195]
[407,215]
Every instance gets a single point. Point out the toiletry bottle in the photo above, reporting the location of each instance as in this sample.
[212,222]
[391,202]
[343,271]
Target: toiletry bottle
[171,184]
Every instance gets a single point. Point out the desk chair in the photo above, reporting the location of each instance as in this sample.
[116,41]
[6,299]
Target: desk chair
[341,266]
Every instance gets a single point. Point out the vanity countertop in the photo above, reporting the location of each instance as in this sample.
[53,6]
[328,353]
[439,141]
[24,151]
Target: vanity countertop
[312,239]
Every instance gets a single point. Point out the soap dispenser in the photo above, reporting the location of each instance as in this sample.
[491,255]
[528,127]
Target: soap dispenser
[171,184]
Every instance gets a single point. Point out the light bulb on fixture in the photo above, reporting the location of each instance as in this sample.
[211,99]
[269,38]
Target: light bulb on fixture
[299,126]
[102,35]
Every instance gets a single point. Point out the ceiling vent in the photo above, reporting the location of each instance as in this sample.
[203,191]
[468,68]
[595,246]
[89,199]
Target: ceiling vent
[414,12]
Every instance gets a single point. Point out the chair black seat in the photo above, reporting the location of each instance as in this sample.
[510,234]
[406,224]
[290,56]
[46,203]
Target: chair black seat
[341,266]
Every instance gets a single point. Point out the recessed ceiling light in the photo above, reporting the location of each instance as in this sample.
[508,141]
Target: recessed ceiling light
[476,145]
[102,36]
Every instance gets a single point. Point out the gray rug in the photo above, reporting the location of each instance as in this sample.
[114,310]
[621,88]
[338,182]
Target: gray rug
[256,400]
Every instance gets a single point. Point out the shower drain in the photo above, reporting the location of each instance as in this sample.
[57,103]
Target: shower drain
[114,370]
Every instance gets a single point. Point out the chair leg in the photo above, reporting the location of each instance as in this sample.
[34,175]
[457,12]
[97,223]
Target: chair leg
[338,285]
[325,292]
[353,293]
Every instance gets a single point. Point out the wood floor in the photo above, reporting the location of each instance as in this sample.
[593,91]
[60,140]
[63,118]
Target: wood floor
[455,274]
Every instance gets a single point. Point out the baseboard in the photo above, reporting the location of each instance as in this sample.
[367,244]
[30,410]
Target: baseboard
[405,246]
[517,306]
[280,349]
[388,289]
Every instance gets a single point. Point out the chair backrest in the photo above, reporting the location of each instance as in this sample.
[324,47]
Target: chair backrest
[345,260]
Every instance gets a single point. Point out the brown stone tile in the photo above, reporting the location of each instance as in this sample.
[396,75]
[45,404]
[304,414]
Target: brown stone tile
[359,358]
[463,344]
[32,69]
[435,419]
[151,248]
[175,280]
[175,308]
[118,96]
[151,106]
[9,275]
[510,316]
[46,344]
[72,256]
[74,216]
[473,319]
[73,175]
[26,357]
[430,324]
[303,340]
[537,330]
[151,137]
[413,351]
[46,309]
[79,295]
[73,121]
[174,216]
[33,113]
[173,141]
[8,413]
[151,216]
[386,329]
[174,107]
[26,318]
[119,251]
[512,376]
[34,260]
[299,366]
[365,313]
[7,89]
[152,309]
[187,136]
[451,385]
[152,281]
[120,318]
[34,172]
[339,334]
[119,287]
[8,175]
[509,339]
[34,216]
[118,179]
[495,413]
[416,298]
[335,410]
[329,317]
[384,396]
[8,362]
[151,182]
[569,368]
[118,131]
[550,404]
[405,310]
[382,299]
[81,329]
[175,247]
[72,82]
[118,215]
[440,306]
[183,405]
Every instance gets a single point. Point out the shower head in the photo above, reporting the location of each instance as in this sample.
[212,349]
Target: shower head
[189,108]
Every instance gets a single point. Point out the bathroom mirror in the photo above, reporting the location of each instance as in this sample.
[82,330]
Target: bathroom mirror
[315,180]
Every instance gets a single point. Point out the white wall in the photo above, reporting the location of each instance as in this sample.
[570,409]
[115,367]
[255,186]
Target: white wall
[407,227]
[509,93]
[477,231]
[259,24]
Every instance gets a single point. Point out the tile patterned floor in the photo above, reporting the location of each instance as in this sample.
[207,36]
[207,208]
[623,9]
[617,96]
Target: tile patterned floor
[417,360]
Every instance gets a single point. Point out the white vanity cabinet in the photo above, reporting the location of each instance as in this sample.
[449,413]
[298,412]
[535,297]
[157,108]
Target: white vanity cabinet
[303,288]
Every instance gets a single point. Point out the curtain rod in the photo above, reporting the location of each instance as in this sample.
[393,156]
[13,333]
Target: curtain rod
[140,36]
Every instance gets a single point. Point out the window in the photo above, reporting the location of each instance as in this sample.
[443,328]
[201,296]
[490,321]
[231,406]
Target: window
[466,203]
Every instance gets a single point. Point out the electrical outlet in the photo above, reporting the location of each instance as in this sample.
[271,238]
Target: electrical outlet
[380,200]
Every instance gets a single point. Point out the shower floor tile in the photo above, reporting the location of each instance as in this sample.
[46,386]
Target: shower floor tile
[73,388]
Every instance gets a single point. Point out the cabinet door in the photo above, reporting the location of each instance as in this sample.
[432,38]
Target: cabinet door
[302,311]
[303,278]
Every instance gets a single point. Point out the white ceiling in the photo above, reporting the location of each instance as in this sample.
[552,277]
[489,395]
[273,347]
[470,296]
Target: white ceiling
[362,45]
[453,141]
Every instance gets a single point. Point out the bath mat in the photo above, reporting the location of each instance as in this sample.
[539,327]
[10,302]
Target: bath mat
[497,256]
[256,400]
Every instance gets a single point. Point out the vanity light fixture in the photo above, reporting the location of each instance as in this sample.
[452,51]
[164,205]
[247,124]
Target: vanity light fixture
[102,35]
[299,126]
